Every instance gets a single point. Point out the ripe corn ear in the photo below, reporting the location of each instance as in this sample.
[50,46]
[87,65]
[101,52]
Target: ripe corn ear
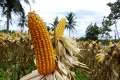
[98,57]
[45,60]
[60,27]
[110,44]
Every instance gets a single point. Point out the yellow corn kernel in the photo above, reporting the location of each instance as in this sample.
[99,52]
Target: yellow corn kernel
[60,28]
[45,60]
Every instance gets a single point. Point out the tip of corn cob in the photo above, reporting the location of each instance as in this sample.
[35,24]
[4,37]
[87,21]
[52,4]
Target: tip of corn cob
[60,28]
[110,44]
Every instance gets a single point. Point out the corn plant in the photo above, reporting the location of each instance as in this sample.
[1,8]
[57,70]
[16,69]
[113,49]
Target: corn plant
[16,54]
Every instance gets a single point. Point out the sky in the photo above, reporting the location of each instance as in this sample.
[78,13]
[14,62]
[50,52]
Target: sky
[86,11]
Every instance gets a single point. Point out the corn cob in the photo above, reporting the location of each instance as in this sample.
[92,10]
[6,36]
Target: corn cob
[45,60]
[60,27]
[110,44]
[98,57]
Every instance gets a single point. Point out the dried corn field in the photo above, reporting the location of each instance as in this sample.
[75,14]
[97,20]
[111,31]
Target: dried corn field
[16,55]
[47,55]
[103,60]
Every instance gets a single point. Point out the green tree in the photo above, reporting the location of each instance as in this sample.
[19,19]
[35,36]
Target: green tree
[71,22]
[115,13]
[92,32]
[115,9]
[9,6]
[106,23]
[81,39]
[23,21]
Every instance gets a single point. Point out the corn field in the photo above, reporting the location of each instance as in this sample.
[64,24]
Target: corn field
[46,55]
[16,54]
[103,60]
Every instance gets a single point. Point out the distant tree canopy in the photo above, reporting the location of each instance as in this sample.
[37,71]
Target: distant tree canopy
[5,31]
[114,14]
[105,29]
[92,32]
[81,39]
[115,9]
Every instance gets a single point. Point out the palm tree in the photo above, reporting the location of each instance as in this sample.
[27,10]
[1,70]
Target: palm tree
[23,21]
[55,22]
[9,6]
[71,22]
[48,27]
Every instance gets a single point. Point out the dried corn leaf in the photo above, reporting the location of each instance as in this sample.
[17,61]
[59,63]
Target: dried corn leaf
[63,68]
[70,46]
[85,68]
[58,76]
[33,74]
[50,77]
[63,59]
[65,77]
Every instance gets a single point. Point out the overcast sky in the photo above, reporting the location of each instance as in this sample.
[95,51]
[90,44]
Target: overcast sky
[86,11]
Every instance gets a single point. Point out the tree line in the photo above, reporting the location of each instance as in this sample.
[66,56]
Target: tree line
[94,32]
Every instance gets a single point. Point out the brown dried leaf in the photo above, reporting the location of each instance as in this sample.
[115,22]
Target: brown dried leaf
[58,76]
[69,46]
[63,68]
[33,74]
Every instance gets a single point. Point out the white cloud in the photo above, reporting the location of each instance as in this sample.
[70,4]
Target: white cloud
[87,11]
[70,5]
[48,9]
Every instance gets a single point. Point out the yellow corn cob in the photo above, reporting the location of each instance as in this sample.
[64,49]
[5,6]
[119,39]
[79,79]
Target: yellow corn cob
[60,27]
[110,44]
[98,57]
[45,60]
